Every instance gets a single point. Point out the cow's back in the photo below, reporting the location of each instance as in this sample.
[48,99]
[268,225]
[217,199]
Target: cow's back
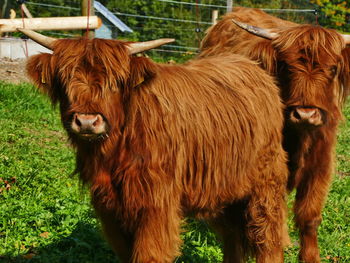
[223,106]
[225,36]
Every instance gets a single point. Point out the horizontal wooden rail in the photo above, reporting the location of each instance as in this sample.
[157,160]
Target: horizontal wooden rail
[50,23]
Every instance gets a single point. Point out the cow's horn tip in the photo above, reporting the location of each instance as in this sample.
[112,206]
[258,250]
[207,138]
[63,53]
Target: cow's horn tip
[169,40]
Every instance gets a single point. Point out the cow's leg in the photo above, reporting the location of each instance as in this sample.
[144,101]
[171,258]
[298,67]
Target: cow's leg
[102,199]
[157,236]
[267,231]
[231,227]
[233,250]
[118,239]
[268,235]
[312,190]
[310,198]
[266,215]
[234,239]
[234,234]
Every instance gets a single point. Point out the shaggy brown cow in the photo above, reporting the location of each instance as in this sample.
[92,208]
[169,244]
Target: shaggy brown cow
[159,142]
[311,65]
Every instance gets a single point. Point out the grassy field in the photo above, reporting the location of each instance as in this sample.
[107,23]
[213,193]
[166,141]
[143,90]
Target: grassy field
[45,215]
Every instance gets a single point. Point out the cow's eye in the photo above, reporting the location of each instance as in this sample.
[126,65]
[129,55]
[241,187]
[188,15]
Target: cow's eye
[303,60]
[334,70]
[282,66]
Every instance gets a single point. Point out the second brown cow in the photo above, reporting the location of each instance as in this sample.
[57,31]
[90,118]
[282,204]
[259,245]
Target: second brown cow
[311,65]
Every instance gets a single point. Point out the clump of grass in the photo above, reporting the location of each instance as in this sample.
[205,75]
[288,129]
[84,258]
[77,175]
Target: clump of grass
[45,214]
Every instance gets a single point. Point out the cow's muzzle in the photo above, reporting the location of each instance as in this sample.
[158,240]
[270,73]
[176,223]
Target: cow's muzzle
[88,126]
[308,116]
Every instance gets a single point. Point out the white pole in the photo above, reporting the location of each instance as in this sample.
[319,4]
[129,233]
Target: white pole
[229,5]
[214,16]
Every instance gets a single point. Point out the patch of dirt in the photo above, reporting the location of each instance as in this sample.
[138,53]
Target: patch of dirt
[13,71]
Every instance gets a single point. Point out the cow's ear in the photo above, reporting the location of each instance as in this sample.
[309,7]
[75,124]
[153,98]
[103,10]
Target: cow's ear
[141,71]
[40,70]
[265,54]
[345,73]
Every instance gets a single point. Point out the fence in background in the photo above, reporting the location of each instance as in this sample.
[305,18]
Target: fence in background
[152,24]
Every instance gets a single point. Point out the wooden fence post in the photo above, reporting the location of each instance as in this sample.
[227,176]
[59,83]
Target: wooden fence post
[87,9]
[214,16]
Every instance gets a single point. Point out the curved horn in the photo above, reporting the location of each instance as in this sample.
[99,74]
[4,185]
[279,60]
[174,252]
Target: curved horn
[39,38]
[138,47]
[258,31]
[346,38]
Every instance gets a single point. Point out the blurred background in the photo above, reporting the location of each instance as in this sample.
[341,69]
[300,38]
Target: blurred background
[186,21]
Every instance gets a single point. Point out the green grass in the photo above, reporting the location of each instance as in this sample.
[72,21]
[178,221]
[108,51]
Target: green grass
[45,214]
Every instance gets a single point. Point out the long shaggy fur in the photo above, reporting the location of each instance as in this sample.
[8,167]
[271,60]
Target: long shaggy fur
[202,139]
[311,65]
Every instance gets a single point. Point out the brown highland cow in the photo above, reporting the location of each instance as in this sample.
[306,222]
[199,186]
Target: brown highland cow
[156,143]
[311,65]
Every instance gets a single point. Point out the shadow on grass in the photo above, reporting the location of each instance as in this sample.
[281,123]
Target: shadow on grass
[84,245]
